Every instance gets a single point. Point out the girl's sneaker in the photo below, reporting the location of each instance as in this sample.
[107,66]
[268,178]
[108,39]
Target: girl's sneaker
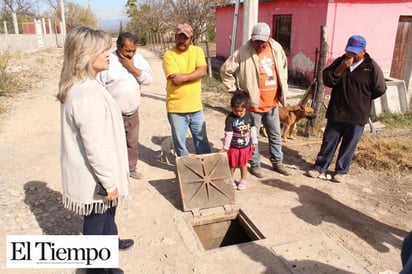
[242,185]
[234,184]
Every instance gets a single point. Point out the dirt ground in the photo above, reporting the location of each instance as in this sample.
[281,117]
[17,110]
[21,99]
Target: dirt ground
[309,225]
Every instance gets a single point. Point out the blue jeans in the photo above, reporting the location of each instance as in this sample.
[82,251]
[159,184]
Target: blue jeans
[335,133]
[195,121]
[270,120]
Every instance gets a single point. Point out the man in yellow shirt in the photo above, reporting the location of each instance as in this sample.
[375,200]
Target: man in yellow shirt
[184,65]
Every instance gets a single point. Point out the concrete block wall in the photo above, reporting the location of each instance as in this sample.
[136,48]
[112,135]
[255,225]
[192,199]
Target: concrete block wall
[29,42]
[395,100]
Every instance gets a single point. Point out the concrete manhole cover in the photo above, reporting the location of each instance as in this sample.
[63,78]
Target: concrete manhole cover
[205,181]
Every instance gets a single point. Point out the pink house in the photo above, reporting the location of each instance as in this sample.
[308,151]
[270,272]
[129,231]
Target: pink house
[296,24]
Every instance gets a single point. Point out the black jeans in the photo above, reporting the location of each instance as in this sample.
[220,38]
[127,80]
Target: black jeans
[406,254]
[100,224]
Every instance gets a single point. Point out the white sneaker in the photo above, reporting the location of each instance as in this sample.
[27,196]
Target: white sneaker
[242,185]
[136,175]
[339,178]
[313,173]
[316,174]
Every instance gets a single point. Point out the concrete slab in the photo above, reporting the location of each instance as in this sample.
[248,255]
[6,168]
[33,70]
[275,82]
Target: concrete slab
[394,100]
[317,255]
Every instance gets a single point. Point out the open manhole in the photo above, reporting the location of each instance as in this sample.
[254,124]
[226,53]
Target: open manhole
[208,197]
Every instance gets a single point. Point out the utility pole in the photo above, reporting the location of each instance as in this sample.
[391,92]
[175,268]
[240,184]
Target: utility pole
[250,18]
[15,25]
[235,27]
[319,94]
[63,19]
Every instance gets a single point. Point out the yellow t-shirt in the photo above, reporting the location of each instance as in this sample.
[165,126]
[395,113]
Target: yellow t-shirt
[185,97]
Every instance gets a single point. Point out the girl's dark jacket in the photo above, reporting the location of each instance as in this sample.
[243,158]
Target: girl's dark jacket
[353,92]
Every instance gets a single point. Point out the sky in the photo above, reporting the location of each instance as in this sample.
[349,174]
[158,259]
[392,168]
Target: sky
[109,12]
[104,9]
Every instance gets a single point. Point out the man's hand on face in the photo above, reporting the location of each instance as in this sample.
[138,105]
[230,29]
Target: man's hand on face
[348,61]
[126,61]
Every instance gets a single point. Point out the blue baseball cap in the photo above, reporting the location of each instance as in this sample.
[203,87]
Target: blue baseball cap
[356,44]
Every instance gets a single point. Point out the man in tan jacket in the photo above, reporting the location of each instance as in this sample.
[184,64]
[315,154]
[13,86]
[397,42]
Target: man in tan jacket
[260,68]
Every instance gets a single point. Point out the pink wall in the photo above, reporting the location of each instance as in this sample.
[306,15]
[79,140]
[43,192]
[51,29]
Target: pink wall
[308,14]
[376,20]
[306,21]
[224,29]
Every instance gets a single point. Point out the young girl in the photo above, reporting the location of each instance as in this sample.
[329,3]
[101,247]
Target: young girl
[240,137]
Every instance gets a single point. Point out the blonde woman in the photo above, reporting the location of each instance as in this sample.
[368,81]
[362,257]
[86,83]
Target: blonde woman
[93,153]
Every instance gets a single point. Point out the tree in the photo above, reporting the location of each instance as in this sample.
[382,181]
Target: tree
[200,14]
[76,15]
[146,17]
[157,16]
[121,27]
[22,8]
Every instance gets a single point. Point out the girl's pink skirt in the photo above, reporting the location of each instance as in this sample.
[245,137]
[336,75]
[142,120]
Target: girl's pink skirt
[239,157]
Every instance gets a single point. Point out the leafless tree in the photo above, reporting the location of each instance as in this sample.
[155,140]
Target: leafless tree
[146,16]
[200,14]
[52,3]
[167,14]
[76,14]
[21,7]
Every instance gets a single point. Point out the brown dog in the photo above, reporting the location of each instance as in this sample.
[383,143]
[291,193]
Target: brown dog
[290,115]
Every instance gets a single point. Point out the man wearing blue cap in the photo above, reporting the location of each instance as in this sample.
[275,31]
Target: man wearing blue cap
[355,79]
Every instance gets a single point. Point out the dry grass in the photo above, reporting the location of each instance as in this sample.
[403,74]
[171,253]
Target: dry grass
[5,79]
[386,153]
[21,71]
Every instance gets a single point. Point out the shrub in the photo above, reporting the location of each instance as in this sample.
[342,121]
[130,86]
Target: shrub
[4,76]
